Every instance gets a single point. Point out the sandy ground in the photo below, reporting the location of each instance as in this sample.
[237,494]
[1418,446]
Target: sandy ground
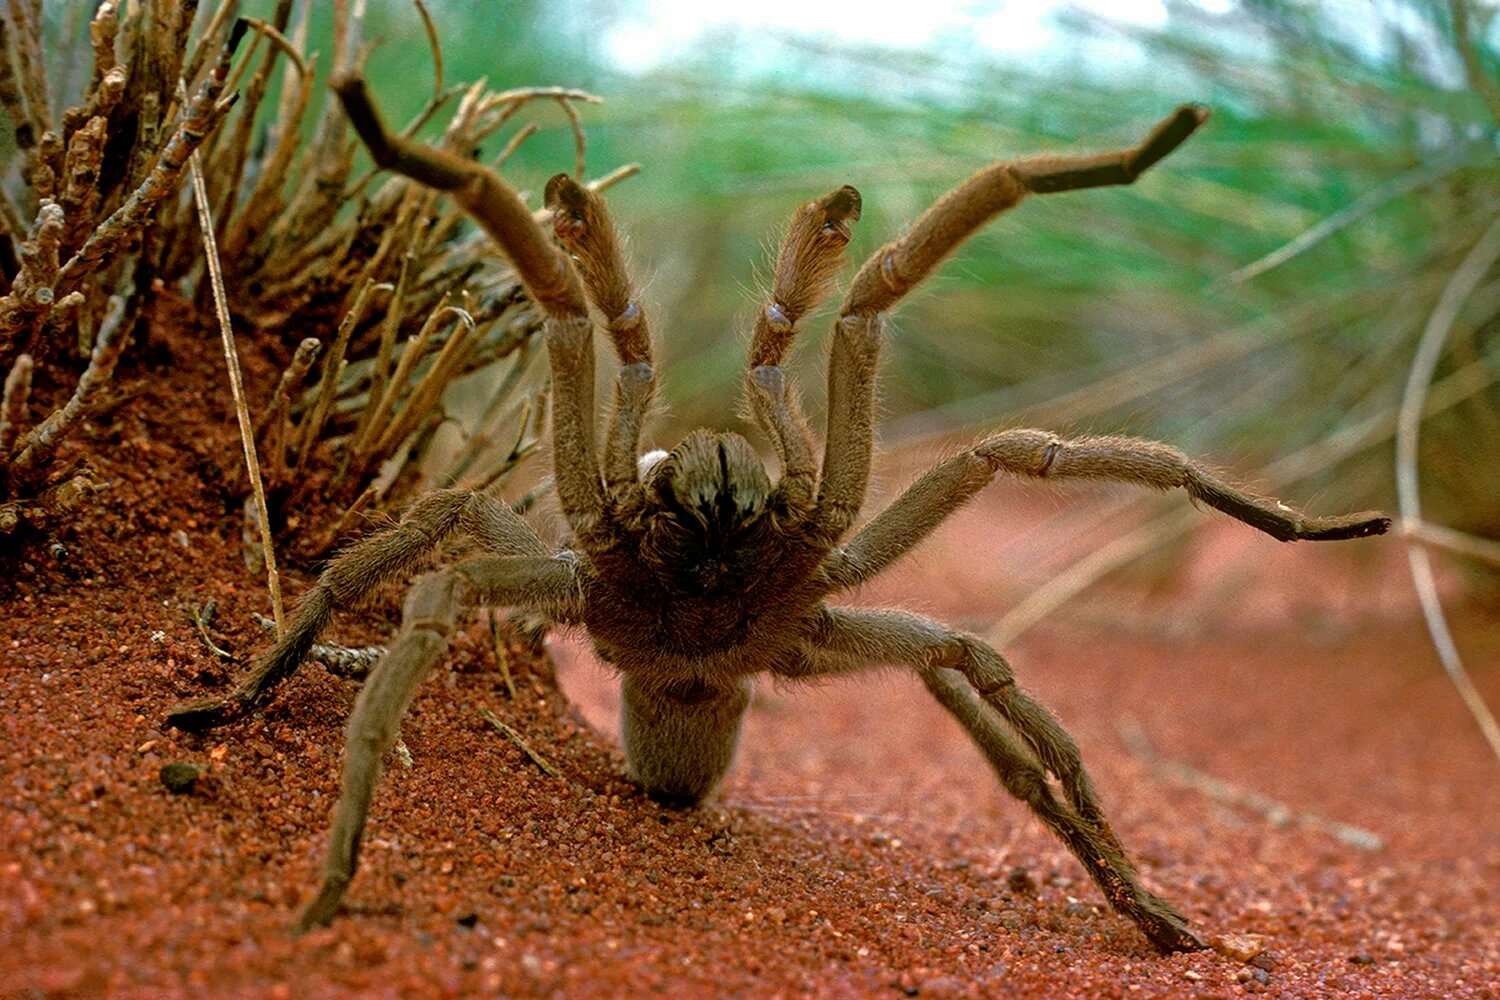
[860,847]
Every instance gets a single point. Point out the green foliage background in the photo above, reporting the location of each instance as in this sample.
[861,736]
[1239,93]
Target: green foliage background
[1377,123]
[1362,136]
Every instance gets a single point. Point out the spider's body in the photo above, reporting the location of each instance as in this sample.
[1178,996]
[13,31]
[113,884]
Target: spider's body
[695,570]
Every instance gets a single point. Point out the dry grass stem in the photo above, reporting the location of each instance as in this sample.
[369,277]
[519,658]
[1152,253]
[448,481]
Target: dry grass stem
[236,383]
[501,660]
[1276,813]
[1397,187]
[1465,279]
[542,763]
[1457,542]
[436,48]
[323,400]
[276,425]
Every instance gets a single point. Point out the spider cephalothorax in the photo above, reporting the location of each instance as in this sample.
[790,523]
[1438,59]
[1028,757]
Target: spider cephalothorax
[695,571]
[703,512]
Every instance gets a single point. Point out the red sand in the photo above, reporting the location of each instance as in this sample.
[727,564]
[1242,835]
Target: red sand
[860,847]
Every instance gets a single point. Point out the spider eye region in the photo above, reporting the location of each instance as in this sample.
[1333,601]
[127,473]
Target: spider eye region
[709,491]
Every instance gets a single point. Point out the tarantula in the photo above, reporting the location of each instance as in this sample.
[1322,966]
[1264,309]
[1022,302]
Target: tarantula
[695,570]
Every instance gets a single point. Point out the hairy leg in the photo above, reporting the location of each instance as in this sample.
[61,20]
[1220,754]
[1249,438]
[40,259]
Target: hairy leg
[898,267]
[550,279]
[808,261]
[583,225]
[976,685]
[368,564]
[431,610]
[1035,454]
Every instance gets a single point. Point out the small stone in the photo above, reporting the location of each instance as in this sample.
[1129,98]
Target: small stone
[1361,958]
[1240,947]
[1011,919]
[1020,881]
[179,777]
[1265,960]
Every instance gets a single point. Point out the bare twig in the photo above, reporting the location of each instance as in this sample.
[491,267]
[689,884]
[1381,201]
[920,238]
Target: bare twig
[1276,813]
[1471,271]
[201,618]
[13,404]
[205,112]
[1458,542]
[1395,188]
[37,447]
[437,52]
[500,658]
[541,762]
[236,381]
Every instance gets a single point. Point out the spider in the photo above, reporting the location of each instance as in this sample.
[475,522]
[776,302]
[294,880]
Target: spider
[696,570]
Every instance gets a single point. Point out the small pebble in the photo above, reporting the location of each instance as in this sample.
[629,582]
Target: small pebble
[1020,881]
[179,777]
[1240,947]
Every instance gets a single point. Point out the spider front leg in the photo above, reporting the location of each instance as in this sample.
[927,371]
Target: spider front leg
[976,685]
[899,266]
[806,265]
[583,225]
[546,585]
[548,276]
[367,565]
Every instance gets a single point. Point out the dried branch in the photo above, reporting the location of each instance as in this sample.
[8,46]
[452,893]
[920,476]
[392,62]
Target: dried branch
[236,380]
[1480,259]
[34,289]
[205,112]
[1458,542]
[542,763]
[26,43]
[37,447]
[1274,812]
[13,404]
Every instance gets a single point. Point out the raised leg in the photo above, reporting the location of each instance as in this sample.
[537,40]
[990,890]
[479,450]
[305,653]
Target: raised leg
[1038,454]
[431,610]
[898,267]
[550,279]
[582,223]
[808,262]
[976,685]
[370,563]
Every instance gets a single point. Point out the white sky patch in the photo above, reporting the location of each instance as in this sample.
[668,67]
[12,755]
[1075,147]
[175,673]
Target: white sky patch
[665,29]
